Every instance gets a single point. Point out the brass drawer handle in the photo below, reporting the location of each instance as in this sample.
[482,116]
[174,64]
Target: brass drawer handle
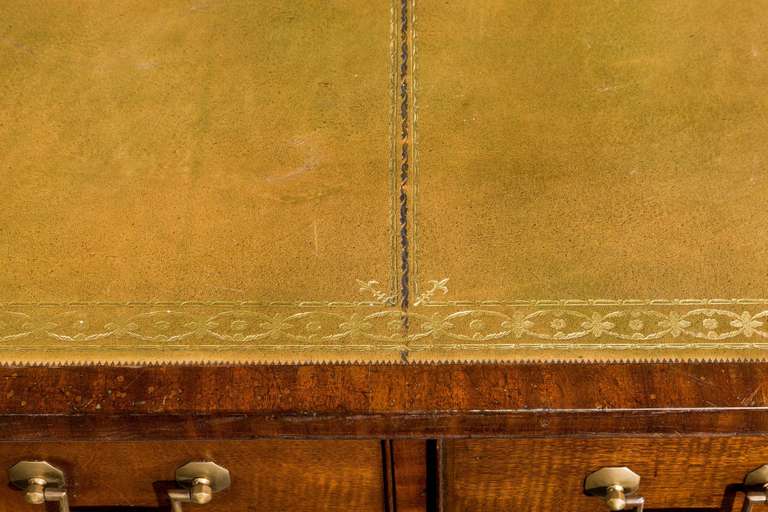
[616,486]
[40,482]
[198,482]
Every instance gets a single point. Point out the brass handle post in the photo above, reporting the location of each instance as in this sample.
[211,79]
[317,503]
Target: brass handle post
[615,498]
[616,486]
[198,482]
[41,483]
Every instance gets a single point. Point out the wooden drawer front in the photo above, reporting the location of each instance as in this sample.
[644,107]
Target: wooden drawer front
[548,474]
[274,475]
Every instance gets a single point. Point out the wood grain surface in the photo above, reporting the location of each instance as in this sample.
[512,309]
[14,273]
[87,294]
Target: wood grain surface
[574,416]
[381,401]
[276,475]
[409,460]
[548,474]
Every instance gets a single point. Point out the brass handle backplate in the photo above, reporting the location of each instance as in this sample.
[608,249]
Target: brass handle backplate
[616,486]
[198,482]
[41,482]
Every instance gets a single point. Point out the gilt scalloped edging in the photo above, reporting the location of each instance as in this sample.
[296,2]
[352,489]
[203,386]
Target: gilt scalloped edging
[593,302]
[192,304]
[433,360]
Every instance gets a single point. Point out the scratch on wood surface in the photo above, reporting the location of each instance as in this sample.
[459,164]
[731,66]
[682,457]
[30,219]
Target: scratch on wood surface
[698,379]
[749,400]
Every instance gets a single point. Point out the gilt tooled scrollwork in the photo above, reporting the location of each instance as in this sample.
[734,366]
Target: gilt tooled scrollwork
[487,326]
[239,326]
[597,320]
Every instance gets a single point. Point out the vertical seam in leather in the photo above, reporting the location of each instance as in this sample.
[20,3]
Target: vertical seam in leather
[405,161]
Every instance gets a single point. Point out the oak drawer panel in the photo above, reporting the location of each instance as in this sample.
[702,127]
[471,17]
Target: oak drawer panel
[548,474]
[274,475]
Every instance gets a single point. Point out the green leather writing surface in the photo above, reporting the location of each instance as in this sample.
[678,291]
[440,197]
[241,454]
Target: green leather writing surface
[204,181]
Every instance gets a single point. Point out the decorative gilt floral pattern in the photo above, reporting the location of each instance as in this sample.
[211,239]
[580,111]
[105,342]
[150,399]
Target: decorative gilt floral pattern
[436,285]
[244,327]
[372,287]
[480,325]
[239,326]
[381,325]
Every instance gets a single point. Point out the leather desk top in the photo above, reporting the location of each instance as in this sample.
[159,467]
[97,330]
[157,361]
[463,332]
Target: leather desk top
[408,181]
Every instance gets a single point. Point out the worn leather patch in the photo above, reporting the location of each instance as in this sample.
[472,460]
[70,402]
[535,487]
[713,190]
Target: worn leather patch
[203,181]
